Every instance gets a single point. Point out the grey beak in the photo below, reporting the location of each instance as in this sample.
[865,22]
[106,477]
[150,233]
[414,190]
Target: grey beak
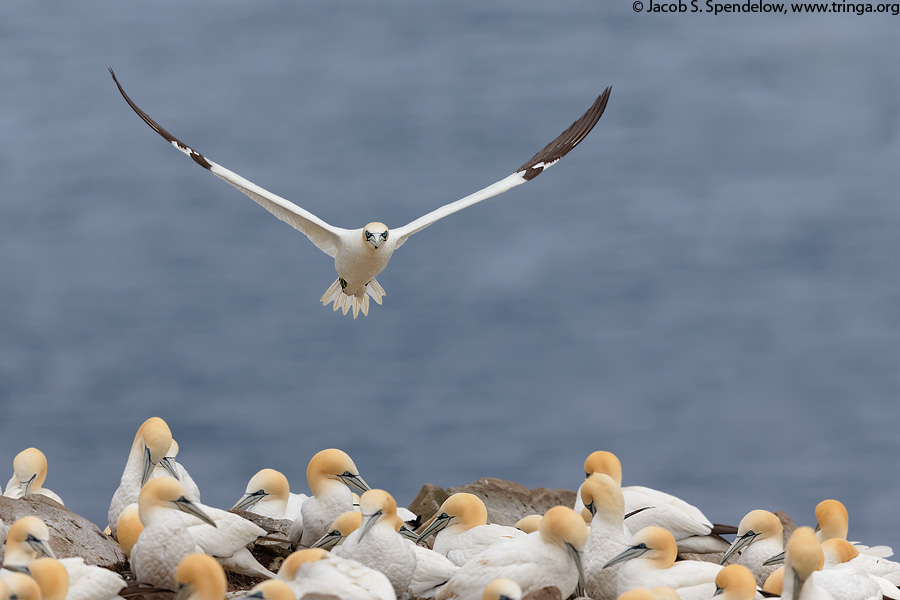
[369,521]
[355,482]
[718,591]
[627,554]
[26,485]
[249,500]
[186,506]
[435,526]
[775,560]
[39,546]
[408,534]
[168,464]
[576,556]
[184,592]
[148,467]
[329,540]
[739,544]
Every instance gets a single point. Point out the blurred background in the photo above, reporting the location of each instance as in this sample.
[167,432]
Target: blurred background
[709,285]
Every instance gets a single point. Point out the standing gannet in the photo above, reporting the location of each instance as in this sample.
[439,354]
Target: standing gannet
[29,473]
[841,554]
[502,589]
[735,582]
[268,494]
[361,254]
[462,531]
[552,556]
[331,476]
[169,467]
[151,443]
[200,577]
[165,540]
[22,587]
[649,561]
[51,576]
[377,544]
[315,571]
[602,497]
[760,536]
[271,590]
[646,506]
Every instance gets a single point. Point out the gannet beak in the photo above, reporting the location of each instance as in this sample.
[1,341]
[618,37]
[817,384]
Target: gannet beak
[775,560]
[718,591]
[435,526]
[368,521]
[18,569]
[168,464]
[26,485]
[797,585]
[592,508]
[253,595]
[249,500]
[739,544]
[39,546]
[329,540]
[355,482]
[627,554]
[408,533]
[185,505]
[148,467]
[576,556]
[184,592]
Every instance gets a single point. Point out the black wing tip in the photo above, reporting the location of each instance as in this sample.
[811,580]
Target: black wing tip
[567,140]
[196,156]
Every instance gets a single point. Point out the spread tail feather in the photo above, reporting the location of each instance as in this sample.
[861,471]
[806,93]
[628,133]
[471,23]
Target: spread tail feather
[336,294]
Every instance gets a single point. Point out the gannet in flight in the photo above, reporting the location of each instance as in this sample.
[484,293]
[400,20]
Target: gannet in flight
[361,254]
[29,473]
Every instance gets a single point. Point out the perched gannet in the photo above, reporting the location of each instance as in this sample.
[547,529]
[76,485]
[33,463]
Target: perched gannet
[530,523]
[649,561]
[28,540]
[735,582]
[227,540]
[502,589]
[165,540]
[151,443]
[602,497]
[553,556]
[803,557]
[361,254]
[760,536]
[51,576]
[29,473]
[343,526]
[271,590]
[169,467]
[331,475]
[462,531]
[200,577]
[646,506]
[833,521]
[377,544]
[129,528]
[433,570]
[315,571]
[268,494]
[22,587]
[841,554]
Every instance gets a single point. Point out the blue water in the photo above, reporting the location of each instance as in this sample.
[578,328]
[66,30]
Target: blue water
[709,285]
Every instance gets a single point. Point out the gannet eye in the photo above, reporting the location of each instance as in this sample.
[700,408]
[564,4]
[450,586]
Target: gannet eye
[369,236]
[384,236]
[261,491]
[642,546]
[347,474]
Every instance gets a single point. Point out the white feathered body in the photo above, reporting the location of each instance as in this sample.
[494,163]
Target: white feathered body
[461,545]
[357,262]
[385,550]
[275,508]
[162,544]
[754,555]
[90,582]
[606,540]
[129,488]
[345,578]
[14,489]
[433,570]
[227,541]
[319,512]
[693,580]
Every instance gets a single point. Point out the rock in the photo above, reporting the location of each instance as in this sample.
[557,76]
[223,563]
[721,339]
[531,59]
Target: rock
[427,501]
[70,534]
[787,523]
[507,502]
[546,593]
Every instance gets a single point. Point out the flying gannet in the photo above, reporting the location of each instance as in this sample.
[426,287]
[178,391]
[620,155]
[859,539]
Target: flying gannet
[29,473]
[361,254]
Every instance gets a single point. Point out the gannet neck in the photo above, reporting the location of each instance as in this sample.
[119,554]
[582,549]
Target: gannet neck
[30,467]
[200,577]
[331,467]
[159,496]
[22,587]
[288,570]
[27,540]
[603,462]
[833,520]
[271,590]
[602,497]
[502,589]
[736,582]
[838,551]
[52,577]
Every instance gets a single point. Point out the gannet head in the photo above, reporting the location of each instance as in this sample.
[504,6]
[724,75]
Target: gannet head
[30,466]
[603,462]
[271,590]
[22,587]
[774,582]
[288,570]
[340,528]
[128,528]
[264,484]
[756,525]
[833,520]
[803,556]
[333,464]
[200,577]
[154,438]
[375,234]
[838,551]
[651,543]
[735,581]
[502,589]
[376,505]
[166,493]
[637,594]
[601,493]
[530,523]
[4,590]
[461,509]
[564,527]
[664,592]
[52,577]
[28,539]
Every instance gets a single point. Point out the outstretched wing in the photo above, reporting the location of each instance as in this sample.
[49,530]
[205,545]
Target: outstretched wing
[547,157]
[323,235]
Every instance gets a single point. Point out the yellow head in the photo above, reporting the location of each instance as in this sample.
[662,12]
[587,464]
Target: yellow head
[333,465]
[30,466]
[502,589]
[603,462]
[288,570]
[736,582]
[375,234]
[200,577]
[52,577]
[833,520]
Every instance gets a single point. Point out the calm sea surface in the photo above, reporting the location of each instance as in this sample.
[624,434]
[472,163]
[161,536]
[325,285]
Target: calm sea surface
[708,286]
